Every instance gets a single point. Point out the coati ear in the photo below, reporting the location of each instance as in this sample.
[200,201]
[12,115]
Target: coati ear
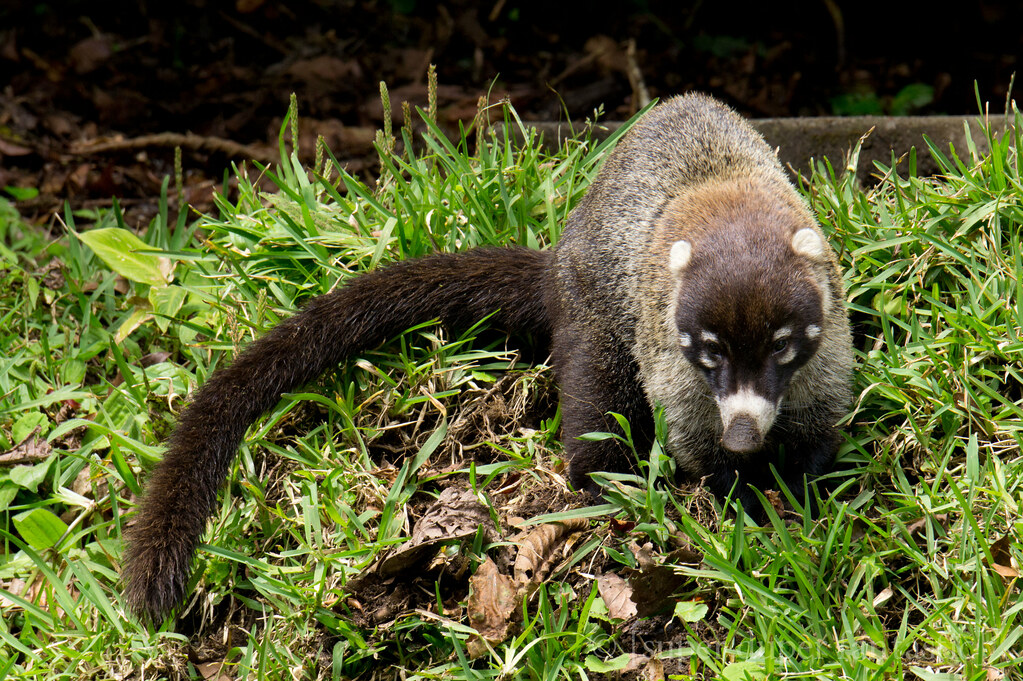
[681,251]
[807,242]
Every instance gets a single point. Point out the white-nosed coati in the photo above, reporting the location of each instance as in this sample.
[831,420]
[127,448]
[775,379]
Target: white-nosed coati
[691,276]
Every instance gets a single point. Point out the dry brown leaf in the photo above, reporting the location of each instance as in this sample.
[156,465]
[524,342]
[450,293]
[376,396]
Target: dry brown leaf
[455,515]
[89,54]
[883,596]
[52,275]
[617,595]
[16,587]
[776,500]
[493,598]
[1003,563]
[653,583]
[653,671]
[248,6]
[213,671]
[643,667]
[153,358]
[607,53]
[917,527]
[1006,571]
[621,526]
[635,663]
[536,550]
[8,148]
[30,450]
[1000,551]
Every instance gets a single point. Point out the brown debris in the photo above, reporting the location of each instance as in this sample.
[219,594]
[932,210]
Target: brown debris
[1002,561]
[493,598]
[496,589]
[457,514]
[32,449]
[647,590]
[537,549]
[617,595]
[172,139]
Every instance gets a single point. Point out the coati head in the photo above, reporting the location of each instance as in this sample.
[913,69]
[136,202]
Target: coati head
[750,310]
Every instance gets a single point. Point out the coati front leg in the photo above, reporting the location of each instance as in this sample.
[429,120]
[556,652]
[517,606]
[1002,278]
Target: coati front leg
[597,376]
[810,450]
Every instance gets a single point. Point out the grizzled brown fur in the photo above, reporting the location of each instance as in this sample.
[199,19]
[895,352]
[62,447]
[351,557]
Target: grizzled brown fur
[615,311]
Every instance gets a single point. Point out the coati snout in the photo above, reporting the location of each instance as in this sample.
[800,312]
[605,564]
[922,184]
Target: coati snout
[691,278]
[742,434]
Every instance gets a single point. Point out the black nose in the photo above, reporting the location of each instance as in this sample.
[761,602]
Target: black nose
[742,435]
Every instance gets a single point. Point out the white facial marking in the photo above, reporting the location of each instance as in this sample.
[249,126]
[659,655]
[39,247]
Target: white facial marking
[788,356]
[825,292]
[708,337]
[746,402]
[708,361]
[813,331]
[685,340]
[681,251]
[808,242]
[783,332]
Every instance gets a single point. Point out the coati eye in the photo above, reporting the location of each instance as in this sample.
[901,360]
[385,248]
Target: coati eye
[713,348]
[781,344]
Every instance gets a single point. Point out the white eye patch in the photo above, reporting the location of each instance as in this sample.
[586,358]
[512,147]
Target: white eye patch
[787,356]
[685,340]
[781,334]
[813,331]
[708,361]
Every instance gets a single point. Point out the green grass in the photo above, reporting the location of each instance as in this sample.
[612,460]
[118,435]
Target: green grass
[895,578]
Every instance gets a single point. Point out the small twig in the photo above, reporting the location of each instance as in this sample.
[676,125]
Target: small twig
[495,13]
[575,66]
[174,139]
[269,41]
[636,76]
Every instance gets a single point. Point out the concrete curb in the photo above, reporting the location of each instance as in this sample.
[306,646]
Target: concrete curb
[799,140]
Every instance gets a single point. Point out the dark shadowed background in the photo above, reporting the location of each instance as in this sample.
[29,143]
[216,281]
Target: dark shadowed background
[74,72]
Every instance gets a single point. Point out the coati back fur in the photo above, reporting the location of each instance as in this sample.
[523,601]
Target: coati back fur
[690,276]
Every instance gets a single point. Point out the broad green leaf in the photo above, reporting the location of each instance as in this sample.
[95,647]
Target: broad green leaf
[22,193]
[690,611]
[122,252]
[26,425]
[64,393]
[133,321]
[29,477]
[8,490]
[595,664]
[73,371]
[166,301]
[744,671]
[40,528]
